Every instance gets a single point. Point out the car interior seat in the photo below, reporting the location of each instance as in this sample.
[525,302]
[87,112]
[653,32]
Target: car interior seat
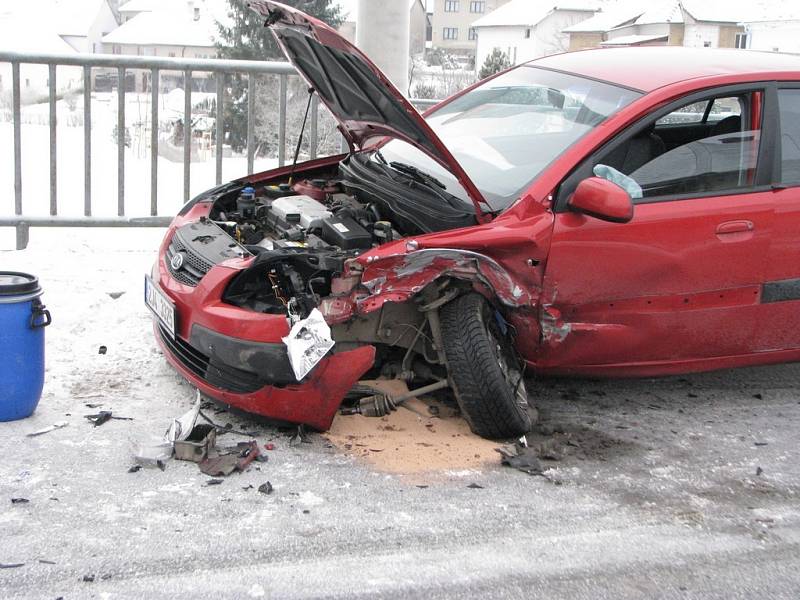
[732,124]
[637,152]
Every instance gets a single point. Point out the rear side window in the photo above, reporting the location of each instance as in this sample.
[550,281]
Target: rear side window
[789,102]
[705,111]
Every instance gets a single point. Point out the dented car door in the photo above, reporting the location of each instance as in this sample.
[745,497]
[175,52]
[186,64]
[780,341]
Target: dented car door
[679,285]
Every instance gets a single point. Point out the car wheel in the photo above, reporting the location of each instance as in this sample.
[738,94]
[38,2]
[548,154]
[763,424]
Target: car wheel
[484,369]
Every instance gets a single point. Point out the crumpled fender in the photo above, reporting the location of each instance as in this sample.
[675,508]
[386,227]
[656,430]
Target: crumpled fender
[399,277]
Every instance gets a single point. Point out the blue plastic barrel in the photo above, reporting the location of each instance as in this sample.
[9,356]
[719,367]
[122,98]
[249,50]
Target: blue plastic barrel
[23,318]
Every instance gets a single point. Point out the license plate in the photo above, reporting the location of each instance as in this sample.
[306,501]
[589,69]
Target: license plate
[161,306]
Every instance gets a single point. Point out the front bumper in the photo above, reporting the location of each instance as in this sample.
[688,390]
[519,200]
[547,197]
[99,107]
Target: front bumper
[313,402]
[237,356]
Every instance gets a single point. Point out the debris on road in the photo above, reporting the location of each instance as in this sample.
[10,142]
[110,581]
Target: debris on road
[135,469]
[522,459]
[157,453]
[231,459]
[102,350]
[265,488]
[104,416]
[401,442]
[11,565]
[52,427]
[299,436]
[198,443]
[19,501]
[214,481]
[115,295]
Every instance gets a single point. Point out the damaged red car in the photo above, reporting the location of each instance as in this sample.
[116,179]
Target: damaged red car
[618,212]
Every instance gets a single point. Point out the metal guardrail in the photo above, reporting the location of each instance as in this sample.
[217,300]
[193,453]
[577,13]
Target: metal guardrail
[219,68]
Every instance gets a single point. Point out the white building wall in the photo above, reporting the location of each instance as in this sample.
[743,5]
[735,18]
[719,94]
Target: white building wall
[522,44]
[699,35]
[33,80]
[775,37]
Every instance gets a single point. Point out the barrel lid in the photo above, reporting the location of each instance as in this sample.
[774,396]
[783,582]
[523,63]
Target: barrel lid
[16,284]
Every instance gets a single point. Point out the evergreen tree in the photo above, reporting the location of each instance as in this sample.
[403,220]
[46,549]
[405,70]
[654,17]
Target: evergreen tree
[496,61]
[244,37]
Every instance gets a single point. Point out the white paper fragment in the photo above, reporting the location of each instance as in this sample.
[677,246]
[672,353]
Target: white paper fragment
[307,343]
[52,427]
[182,426]
[163,449]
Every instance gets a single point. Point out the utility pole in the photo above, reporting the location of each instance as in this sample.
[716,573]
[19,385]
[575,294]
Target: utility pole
[382,33]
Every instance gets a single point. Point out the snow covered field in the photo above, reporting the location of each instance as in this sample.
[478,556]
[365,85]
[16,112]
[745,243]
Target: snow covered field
[36,152]
[674,488]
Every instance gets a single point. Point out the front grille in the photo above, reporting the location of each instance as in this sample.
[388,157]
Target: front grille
[211,371]
[194,266]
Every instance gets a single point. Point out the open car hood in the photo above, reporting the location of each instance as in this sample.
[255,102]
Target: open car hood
[362,99]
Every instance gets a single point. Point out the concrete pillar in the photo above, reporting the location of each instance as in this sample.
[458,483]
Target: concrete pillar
[382,34]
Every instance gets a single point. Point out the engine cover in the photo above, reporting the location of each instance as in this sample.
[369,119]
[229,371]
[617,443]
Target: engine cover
[311,213]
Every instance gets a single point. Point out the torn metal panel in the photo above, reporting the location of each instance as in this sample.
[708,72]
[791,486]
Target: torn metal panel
[396,278]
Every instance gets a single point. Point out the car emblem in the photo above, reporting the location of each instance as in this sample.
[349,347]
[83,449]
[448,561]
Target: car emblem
[176,262]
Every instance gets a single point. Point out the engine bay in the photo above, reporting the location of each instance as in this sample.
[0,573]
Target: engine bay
[301,234]
[313,214]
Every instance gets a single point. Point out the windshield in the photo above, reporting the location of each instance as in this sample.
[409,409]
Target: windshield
[506,131]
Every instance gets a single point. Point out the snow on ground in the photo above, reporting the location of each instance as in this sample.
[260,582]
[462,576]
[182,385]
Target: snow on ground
[657,493]
[35,142]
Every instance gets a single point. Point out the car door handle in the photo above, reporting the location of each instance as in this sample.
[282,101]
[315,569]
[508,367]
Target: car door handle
[730,227]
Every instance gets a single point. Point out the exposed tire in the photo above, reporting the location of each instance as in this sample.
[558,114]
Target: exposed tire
[484,369]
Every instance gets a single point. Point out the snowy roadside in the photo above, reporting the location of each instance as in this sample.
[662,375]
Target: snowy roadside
[668,487]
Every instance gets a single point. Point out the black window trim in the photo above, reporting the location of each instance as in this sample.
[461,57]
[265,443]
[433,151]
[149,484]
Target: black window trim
[777,173]
[765,172]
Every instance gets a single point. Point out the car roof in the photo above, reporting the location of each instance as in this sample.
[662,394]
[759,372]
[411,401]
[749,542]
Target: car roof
[652,67]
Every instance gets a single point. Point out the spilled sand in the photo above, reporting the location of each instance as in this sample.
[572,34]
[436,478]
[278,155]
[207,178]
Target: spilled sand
[421,436]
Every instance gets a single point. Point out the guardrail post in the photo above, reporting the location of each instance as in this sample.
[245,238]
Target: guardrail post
[23,235]
[187,134]
[87,141]
[154,85]
[51,85]
[121,141]
[251,105]
[17,116]
[220,126]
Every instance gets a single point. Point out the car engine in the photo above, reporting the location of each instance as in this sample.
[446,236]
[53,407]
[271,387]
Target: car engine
[300,234]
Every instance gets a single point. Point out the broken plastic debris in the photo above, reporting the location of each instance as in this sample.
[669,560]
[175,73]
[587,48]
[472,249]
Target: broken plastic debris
[522,459]
[157,453]
[182,427]
[308,342]
[154,453]
[237,458]
[52,427]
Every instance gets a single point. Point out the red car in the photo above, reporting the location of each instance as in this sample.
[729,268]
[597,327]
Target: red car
[616,212]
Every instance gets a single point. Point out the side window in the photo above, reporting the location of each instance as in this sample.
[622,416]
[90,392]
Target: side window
[714,155]
[691,113]
[789,103]
[722,108]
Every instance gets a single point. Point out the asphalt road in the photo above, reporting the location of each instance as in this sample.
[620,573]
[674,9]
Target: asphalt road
[685,487]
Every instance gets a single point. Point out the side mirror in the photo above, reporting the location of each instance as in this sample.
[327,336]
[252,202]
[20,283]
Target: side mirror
[601,199]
